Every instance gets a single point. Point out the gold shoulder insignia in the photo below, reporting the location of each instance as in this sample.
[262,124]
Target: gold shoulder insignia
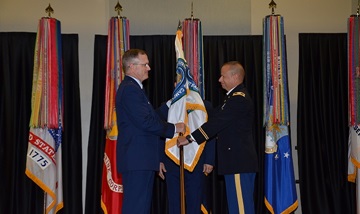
[239,93]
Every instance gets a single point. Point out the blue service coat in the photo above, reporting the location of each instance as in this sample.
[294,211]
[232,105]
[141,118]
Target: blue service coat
[140,128]
[232,122]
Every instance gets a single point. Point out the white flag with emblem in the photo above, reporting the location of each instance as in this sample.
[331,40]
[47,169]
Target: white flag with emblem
[186,106]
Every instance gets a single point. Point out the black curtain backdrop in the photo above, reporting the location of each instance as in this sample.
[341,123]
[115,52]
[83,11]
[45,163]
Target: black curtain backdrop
[159,87]
[19,194]
[322,125]
[322,118]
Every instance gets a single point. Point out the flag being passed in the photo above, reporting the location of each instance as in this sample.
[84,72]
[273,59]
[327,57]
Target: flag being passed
[186,106]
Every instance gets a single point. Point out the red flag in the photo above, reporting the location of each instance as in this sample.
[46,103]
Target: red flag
[118,42]
[111,188]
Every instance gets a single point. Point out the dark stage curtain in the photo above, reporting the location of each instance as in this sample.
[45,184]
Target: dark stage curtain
[322,125]
[18,194]
[159,87]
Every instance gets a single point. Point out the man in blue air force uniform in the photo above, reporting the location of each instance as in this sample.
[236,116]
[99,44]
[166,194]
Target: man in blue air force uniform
[139,131]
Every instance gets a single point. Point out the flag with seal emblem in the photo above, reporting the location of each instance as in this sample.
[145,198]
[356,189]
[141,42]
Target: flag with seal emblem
[279,183]
[186,106]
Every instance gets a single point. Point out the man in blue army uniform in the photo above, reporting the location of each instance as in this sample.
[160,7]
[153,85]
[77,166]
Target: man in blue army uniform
[232,123]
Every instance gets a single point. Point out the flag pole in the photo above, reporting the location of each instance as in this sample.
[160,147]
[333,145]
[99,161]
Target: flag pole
[277,198]
[117,43]
[182,180]
[46,121]
[181,148]
[353,109]
[44,202]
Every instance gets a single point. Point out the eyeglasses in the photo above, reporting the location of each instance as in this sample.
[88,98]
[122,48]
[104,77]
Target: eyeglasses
[145,64]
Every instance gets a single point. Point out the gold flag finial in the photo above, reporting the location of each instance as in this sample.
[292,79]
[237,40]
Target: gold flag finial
[179,26]
[49,10]
[272,5]
[192,10]
[357,10]
[118,8]
[192,13]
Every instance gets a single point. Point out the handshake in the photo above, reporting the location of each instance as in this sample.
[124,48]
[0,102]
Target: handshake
[181,128]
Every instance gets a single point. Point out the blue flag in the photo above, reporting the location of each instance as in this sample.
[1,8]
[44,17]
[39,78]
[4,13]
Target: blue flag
[279,184]
[280,191]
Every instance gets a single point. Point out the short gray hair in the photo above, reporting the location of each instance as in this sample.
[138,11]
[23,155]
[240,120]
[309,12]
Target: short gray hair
[129,57]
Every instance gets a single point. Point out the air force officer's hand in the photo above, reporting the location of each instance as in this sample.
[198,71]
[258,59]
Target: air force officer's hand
[180,127]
